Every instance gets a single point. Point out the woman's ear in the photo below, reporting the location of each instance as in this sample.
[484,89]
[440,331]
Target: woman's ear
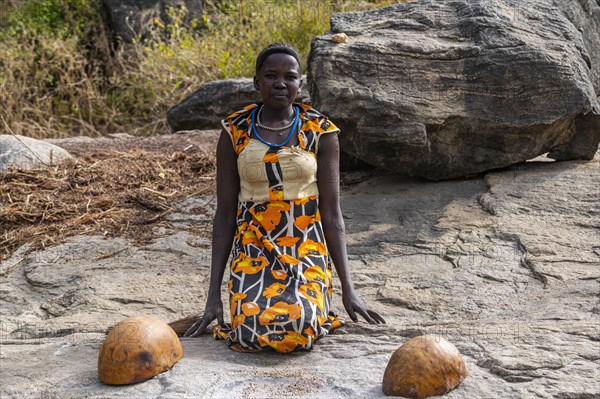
[256,85]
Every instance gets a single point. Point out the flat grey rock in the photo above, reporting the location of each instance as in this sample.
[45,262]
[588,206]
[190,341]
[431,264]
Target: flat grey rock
[505,267]
[25,153]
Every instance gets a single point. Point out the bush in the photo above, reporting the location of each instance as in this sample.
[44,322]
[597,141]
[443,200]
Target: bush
[55,18]
[60,76]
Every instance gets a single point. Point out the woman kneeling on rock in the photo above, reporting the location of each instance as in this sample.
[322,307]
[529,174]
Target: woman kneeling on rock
[278,204]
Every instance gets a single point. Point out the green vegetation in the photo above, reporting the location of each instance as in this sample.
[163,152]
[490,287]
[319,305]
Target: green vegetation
[61,74]
[55,18]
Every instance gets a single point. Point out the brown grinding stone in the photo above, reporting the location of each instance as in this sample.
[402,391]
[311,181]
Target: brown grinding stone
[136,349]
[424,366]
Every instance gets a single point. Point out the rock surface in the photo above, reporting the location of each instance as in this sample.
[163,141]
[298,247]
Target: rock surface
[448,89]
[25,153]
[585,15]
[204,108]
[128,18]
[505,267]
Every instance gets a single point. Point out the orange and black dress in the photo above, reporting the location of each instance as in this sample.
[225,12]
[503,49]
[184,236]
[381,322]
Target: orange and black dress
[280,276]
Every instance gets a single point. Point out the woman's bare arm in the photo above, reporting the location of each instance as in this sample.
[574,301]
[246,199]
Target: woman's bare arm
[328,178]
[228,187]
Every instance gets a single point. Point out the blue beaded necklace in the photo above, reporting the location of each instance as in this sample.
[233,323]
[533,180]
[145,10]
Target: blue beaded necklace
[294,126]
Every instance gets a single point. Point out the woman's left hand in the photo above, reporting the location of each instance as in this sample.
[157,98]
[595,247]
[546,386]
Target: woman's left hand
[354,304]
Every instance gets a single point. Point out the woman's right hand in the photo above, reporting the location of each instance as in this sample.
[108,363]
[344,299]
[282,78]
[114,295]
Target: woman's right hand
[213,310]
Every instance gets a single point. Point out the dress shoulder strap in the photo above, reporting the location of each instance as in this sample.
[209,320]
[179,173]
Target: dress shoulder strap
[237,126]
[314,125]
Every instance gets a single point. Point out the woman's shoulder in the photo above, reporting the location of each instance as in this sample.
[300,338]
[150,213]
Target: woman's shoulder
[237,125]
[315,124]
[308,112]
[318,122]
[239,117]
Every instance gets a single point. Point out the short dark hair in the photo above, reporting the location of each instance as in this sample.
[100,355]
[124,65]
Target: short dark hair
[276,48]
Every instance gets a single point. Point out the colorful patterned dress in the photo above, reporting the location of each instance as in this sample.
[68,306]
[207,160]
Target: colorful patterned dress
[280,276]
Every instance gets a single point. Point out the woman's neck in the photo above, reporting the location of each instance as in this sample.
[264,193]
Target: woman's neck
[269,115]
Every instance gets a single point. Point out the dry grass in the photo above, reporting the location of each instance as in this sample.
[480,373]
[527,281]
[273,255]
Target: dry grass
[106,192]
[52,89]
[66,83]
[75,83]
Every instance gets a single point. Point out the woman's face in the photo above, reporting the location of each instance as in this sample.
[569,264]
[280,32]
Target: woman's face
[278,81]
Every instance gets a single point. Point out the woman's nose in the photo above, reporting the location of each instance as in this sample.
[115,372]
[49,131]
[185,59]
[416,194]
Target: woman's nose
[279,83]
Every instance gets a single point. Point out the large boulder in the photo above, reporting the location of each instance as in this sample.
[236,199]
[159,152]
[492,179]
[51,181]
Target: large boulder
[585,15]
[24,153]
[204,108]
[448,89]
[128,18]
